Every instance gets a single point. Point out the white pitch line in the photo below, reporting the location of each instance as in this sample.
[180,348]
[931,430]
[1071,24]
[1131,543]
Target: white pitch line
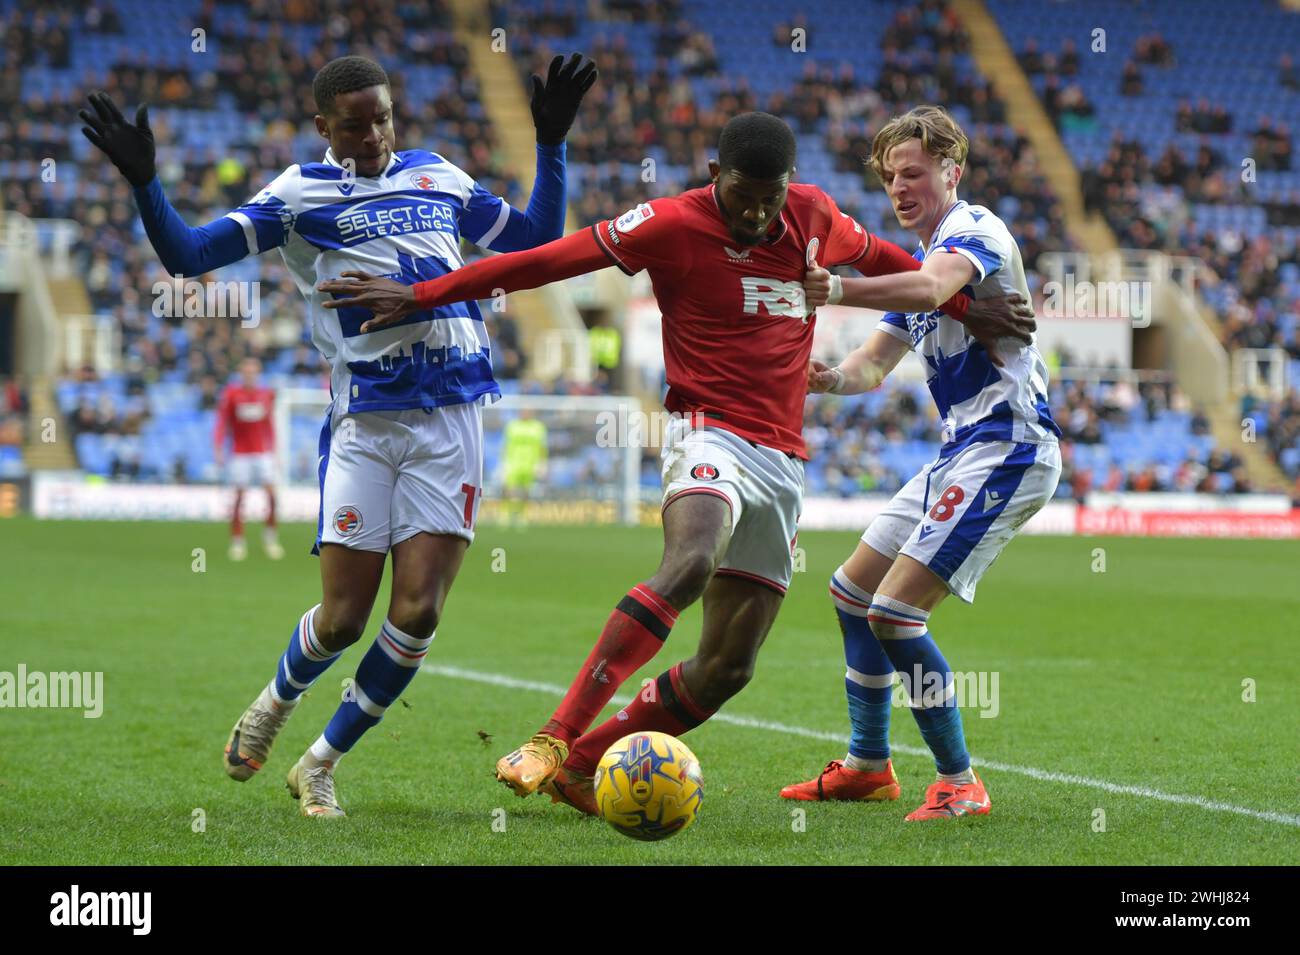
[1144,792]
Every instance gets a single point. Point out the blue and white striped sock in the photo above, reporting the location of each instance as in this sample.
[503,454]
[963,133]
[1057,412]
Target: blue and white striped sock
[904,633]
[385,671]
[303,661]
[868,679]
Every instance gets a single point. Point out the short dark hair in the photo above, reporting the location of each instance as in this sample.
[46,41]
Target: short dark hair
[347,74]
[758,145]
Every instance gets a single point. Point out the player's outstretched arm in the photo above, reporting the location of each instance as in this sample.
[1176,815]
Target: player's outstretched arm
[896,282]
[554,106]
[923,288]
[391,301]
[863,370]
[130,146]
[880,259]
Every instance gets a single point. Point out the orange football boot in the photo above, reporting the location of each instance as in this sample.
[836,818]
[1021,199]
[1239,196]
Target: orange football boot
[534,763]
[948,800]
[838,782]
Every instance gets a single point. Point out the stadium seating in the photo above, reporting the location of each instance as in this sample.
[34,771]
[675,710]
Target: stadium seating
[159,426]
[845,58]
[877,441]
[173,439]
[1222,55]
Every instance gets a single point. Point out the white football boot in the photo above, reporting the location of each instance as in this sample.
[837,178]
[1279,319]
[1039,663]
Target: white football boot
[271,544]
[250,741]
[311,782]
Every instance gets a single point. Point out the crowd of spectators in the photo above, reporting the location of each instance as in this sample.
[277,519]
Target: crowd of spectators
[1148,206]
[1271,147]
[1281,429]
[849,438]
[1035,62]
[1063,97]
[267,81]
[656,109]
[1151,198]
[261,71]
[1149,50]
[1204,118]
[1085,412]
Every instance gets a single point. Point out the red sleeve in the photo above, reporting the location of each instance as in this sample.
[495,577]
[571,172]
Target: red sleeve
[646,237]
[564,258]
[885,258]
[846,241]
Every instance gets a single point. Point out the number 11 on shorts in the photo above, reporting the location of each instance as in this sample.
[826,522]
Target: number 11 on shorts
[470,492]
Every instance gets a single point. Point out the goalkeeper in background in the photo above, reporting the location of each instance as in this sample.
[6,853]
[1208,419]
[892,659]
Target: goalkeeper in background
[524,461]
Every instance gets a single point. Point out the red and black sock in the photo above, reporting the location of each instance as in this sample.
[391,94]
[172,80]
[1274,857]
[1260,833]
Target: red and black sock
[666,706]
[632,636]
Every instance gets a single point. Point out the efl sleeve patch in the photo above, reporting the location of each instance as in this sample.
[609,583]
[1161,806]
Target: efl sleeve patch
[633,218]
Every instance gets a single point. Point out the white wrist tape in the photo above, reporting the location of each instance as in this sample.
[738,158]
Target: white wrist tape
[839,381]
[837,290]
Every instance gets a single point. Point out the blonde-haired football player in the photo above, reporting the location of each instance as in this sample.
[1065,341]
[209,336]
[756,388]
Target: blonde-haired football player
[999,464]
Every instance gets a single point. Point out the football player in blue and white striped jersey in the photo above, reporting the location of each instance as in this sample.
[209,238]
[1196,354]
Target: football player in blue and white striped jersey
[999,464]
[401,459]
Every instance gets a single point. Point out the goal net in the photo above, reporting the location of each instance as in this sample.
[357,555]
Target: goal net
[592,468]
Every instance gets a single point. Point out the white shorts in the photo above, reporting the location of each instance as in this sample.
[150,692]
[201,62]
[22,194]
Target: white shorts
[252,470]
[763,486]
[959,512]
[386,476]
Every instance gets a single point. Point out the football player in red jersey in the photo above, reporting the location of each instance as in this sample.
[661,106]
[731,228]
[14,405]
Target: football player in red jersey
[245,416]
[727,263]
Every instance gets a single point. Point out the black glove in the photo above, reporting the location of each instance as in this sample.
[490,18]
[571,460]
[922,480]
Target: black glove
[555,104]
[130,147]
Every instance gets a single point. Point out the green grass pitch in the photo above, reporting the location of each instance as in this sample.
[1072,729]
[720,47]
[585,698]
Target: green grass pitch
[1132,679]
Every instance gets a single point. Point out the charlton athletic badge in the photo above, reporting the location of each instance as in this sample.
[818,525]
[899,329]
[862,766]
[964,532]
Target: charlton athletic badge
[347,521]
[704,472]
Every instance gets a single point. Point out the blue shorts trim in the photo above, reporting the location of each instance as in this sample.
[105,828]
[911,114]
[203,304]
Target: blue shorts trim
[323,453]
[1003,481]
